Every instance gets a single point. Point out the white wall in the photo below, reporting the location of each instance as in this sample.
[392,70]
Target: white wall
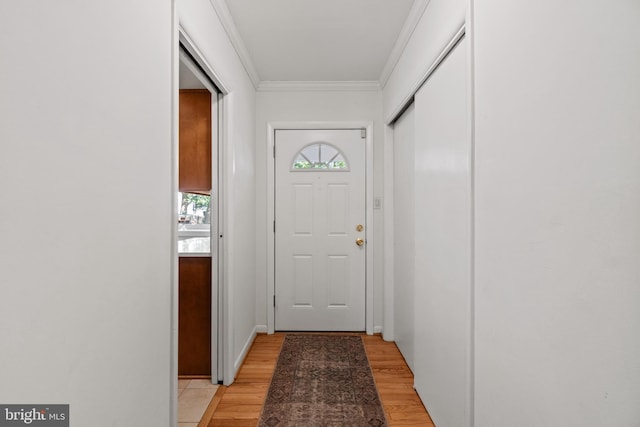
[310,105]
[557,213]
[86,213]
[200,22]
[404,234]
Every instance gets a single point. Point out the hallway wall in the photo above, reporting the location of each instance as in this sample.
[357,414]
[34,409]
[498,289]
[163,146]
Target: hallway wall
[238,161]
[557,213]
[86,213]
[309,105]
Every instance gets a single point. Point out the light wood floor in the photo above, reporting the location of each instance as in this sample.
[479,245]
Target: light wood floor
[241,403]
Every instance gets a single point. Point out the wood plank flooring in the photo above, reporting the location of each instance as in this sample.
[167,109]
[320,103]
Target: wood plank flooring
[241,403]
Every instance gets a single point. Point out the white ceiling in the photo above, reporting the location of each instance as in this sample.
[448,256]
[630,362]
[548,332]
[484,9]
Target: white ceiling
[317,40]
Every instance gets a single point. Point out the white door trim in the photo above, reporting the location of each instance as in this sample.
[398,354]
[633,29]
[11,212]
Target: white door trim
[193,50]
[270,217]
[221,331]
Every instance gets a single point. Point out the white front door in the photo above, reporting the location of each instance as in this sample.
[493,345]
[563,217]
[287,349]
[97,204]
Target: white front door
[320,230]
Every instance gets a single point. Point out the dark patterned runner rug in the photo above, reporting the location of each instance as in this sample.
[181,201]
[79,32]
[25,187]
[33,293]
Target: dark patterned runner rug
[322,381]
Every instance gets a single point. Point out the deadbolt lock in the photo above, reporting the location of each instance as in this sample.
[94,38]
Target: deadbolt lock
[359,227]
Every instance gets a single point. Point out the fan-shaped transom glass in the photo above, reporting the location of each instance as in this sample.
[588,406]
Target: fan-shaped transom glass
[320,156]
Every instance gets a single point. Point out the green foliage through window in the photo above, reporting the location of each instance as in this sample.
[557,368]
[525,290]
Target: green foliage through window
[194,208]
[320,156]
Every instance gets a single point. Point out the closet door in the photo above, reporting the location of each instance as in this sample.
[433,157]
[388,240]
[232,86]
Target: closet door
[403,233]
[443,242]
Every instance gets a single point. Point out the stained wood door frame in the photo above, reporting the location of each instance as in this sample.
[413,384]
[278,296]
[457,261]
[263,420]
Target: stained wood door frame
[270,215]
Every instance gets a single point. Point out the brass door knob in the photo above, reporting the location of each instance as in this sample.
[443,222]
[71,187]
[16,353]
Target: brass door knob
[359,242]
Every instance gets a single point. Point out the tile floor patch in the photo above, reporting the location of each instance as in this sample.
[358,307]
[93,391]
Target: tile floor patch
[192,404]
[202,384]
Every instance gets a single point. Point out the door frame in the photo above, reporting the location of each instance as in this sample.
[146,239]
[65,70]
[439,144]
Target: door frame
[270,217]
[220,325]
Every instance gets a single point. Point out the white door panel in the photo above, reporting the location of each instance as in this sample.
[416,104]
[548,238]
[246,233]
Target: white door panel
[442,244]
[404,234]
[320,270]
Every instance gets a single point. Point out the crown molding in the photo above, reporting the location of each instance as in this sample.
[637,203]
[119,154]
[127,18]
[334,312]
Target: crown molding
[220,6]
[415,14]
[322,86]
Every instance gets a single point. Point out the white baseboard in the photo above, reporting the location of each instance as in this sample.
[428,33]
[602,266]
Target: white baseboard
[262,329]
[377,329]
[243,353]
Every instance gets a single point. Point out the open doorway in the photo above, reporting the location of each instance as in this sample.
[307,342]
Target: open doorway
[198,214]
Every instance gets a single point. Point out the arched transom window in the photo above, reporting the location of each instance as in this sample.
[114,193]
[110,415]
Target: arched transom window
[319,156]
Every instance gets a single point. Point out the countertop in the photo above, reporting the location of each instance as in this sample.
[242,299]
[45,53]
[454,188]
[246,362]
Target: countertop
[194,246]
